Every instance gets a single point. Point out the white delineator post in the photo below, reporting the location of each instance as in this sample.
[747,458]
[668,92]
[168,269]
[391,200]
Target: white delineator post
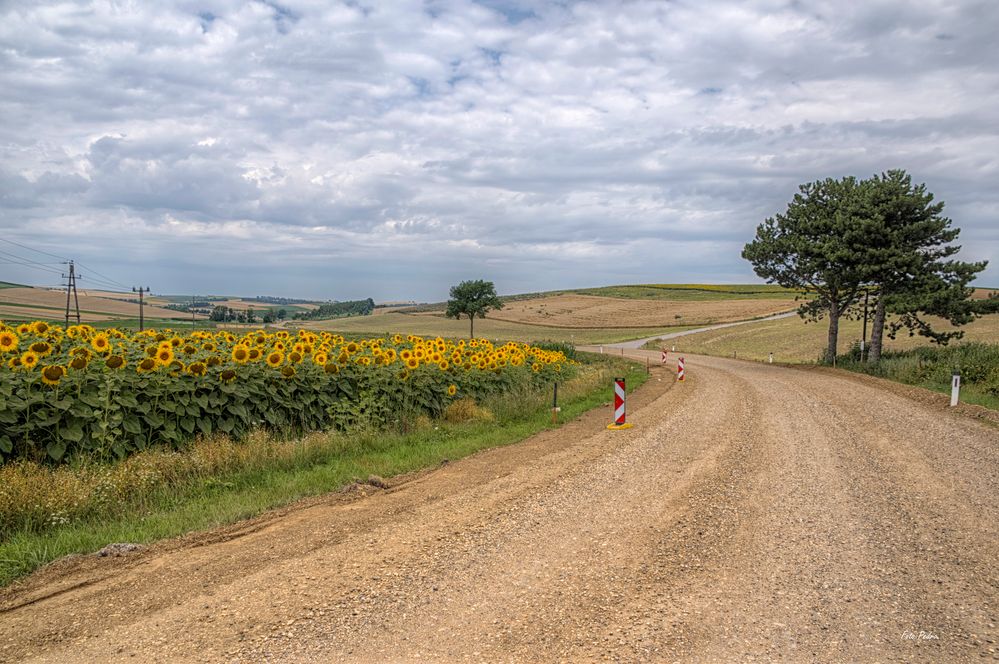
[679,369]
[771,358]
[664,355]
[955,388]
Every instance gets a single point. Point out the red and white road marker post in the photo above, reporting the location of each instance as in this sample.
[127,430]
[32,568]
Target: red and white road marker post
[619,409]
[664,354]
[679,369]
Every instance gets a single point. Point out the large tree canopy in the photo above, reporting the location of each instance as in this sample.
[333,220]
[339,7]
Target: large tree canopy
[815,247]
[883,235]
[907,247]
[472,298]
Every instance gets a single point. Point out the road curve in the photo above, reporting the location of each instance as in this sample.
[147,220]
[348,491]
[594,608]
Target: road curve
[638,343]
[754,513]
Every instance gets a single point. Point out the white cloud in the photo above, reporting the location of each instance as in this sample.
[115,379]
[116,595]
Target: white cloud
[321,149]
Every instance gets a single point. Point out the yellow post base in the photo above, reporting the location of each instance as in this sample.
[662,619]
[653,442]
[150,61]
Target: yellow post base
[615,427]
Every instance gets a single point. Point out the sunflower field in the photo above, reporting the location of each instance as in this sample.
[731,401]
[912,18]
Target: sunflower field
[108,393]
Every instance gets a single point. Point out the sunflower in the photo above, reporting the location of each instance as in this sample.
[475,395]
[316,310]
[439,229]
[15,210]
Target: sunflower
[101,343]
[255,354]
[52,374]
[176,342]
[319,358]
[288,371]
[227,375]
[146,365]
[352,347]
[275,358]
[240,354]
[412,363]
[331,368]
[41,348]
[29,360]
[151,351]
[189,350]
[176,367]
[452,390]
[443,365]
[404,375]
[294,357]
[23,328]
[79,363]
[213,361]
[209,346]
[164,355]
[197,369]
[278,345]
[115,362]
[535,367]
[8,341]
[14,363]
[39,327]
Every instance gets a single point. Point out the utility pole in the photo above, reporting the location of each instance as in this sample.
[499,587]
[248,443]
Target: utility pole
[71,291]
[140,290]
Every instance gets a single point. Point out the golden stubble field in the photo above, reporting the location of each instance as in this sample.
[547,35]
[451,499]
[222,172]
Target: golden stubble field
[30,303]
[794,340]
[593,312]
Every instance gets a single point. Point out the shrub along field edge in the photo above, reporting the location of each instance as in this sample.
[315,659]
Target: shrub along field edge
[242,480]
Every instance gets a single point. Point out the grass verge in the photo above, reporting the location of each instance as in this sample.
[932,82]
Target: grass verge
[216,481]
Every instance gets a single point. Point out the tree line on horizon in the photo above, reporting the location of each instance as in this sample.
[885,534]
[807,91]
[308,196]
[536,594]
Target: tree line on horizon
[882,239]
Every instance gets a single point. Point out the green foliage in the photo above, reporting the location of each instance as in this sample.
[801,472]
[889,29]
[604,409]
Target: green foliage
[472,298]
[815,247]
[978,364]
[329,310]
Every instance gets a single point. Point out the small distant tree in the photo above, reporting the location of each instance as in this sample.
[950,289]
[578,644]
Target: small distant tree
[251,316]
[472,298]
[282,314]
[268,317]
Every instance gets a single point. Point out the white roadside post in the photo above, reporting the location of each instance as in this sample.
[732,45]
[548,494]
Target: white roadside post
[955,388]
[771,358]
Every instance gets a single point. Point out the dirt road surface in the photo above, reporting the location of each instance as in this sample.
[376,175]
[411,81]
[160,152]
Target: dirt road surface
[754,513]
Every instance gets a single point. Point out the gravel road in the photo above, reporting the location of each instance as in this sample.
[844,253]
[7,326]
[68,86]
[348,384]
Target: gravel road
[754,513]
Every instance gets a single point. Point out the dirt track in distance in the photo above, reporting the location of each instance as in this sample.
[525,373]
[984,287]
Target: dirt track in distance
[754,513]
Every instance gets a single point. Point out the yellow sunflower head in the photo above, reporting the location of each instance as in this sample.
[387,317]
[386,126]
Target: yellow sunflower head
[117,362]
[39,327]
[101,343]
[331,368]
[213,361]
[255,354]
[8,341]
[29,360]
[79,363]
[288,371]
[52,374]
[275,358]
[240,354]
[294,357]
[164,355]
[146,365]
[197,369]
[452,390]
[227,375]
[320,358]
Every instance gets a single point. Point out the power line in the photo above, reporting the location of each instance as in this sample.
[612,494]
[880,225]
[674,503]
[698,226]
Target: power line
[106,278]
[38,251]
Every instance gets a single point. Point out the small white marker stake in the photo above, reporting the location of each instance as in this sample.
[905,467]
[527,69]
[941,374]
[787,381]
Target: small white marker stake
[955,388]
[771,358]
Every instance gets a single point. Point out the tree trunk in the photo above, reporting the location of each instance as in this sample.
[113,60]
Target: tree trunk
[471,326]
[877,330]
[833,332]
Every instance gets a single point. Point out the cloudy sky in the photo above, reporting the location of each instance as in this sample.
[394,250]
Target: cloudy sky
[389,149]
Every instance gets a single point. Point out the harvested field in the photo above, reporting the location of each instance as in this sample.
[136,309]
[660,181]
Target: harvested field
[94,305]
[793,340]
[490,328]
[588,311]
